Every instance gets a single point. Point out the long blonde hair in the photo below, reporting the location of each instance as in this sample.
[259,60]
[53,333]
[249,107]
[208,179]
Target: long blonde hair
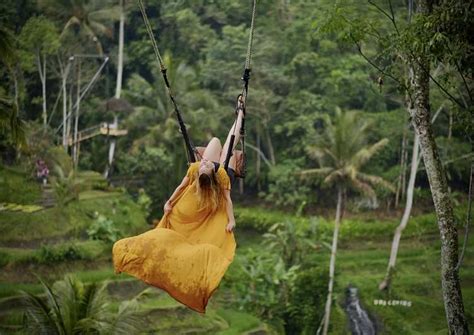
[208,191]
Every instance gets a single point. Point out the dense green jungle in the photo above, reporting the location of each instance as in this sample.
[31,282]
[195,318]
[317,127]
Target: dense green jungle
[355,210]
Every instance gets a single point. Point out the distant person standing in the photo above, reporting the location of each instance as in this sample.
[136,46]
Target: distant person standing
[42,171]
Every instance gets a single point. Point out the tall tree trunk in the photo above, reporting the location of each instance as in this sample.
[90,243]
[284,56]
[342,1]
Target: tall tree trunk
[404,170]
[75,153]
[271,152]
[401,184]
[332,263]
[415,162]
[41,65]
[45,111]
[64,88]
[118,88]
[420,115]
[69,115]
[406,215]
[450,129]
[258,160]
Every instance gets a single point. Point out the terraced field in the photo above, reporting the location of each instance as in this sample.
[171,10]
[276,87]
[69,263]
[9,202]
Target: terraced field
[30,243]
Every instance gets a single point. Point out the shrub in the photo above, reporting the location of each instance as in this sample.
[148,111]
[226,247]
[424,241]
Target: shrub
[262,220]
[91,180]
[66,187]
[57,156]
[306,301]
[284,188]
[260,281]
[64,252]
[4,258]
[264,280]
[103,229]
[144,201]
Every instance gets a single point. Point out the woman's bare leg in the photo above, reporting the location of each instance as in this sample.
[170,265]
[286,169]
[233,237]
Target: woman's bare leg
[234,130]
[232,162]
[213,150]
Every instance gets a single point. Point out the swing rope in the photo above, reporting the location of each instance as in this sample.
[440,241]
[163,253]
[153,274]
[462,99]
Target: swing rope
[245,88]
[191,151]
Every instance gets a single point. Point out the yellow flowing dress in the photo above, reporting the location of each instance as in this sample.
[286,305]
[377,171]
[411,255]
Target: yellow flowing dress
[187,253]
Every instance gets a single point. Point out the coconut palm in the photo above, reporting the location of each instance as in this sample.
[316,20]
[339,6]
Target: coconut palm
[87,18]
[341,153]
[72,307]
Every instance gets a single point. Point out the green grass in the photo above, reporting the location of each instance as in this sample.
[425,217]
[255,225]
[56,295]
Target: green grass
[361,260]
[8,289]
[238,322]
[19,226]
[417,280]
[86,249]
[12,289]
[353,229]
[18,187]
[73,219]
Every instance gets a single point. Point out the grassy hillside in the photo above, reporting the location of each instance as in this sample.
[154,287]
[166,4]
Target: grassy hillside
[53,241]
[362,259]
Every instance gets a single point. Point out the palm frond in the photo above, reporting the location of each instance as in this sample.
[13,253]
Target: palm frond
[37,313]
[100,29]
[315,152]
[89,32]
[128,319]
[364,154]
[363,187]
[7,48]
[376,181]
[54,305]
[334,176]
[105,14]
[318,171]
[69,292]
[98,300]
[71,22]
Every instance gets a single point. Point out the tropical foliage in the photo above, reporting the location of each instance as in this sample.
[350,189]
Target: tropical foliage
[72,307]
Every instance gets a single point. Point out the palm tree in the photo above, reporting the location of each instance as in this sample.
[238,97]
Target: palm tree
[341,153]
[72,307]
[90,18]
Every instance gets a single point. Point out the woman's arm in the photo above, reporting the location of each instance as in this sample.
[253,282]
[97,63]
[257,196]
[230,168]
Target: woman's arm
[230,211]
[168,205]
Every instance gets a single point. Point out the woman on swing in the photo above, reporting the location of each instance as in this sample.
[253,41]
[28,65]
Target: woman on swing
[190,249]
[210,174]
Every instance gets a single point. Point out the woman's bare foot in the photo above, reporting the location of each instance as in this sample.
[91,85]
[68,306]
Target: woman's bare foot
[240,104]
